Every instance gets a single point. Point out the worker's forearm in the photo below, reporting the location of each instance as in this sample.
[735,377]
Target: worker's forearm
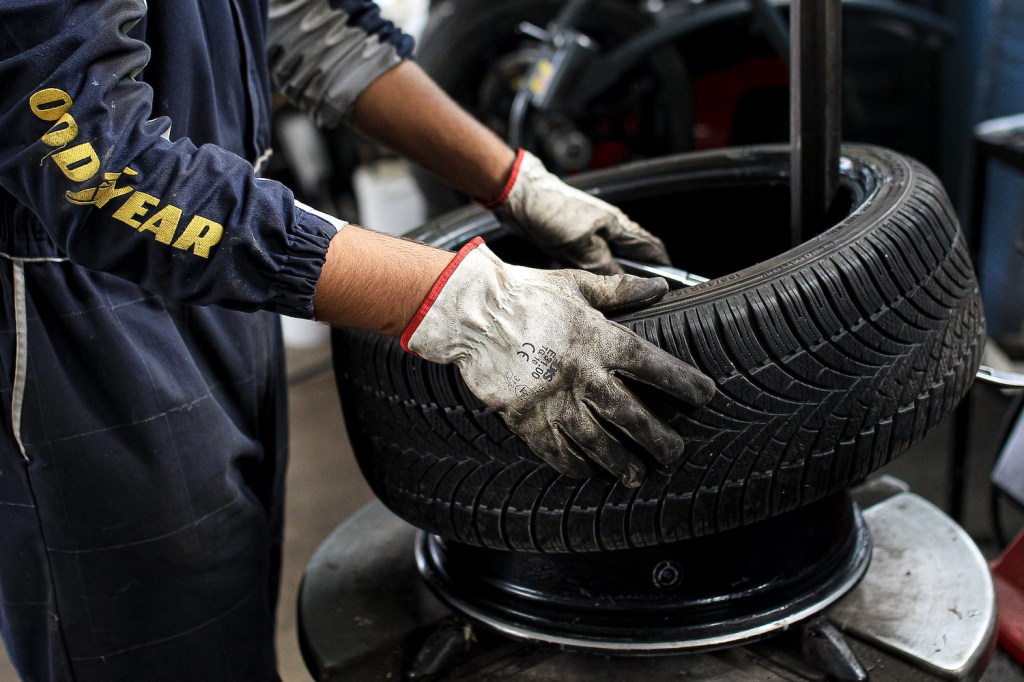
[375,281]
[405,110]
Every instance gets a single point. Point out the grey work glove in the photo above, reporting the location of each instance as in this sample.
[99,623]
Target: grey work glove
[571,225]
[532,345]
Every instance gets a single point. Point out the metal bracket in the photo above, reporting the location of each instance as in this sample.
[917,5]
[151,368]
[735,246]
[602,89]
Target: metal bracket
[1001,378]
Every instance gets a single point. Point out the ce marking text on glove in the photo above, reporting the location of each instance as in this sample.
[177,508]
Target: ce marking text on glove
[546,364]
[515,386]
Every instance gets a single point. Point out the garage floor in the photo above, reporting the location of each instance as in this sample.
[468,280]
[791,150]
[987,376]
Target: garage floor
[325,486]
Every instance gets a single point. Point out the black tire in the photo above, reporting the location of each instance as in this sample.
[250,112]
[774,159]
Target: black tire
[473,49]
[830,359]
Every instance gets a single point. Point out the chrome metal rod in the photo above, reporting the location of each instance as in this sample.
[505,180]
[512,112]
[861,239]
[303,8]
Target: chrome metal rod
[815,109]
[676,278]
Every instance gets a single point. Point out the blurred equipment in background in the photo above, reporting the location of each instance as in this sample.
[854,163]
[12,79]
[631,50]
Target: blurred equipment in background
[321,166]
[588,84]
[337,172]
[1000,96]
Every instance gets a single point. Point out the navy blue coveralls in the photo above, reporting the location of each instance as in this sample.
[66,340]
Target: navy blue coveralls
[143,439]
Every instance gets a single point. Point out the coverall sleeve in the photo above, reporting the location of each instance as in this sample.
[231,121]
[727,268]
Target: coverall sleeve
[81,150]
[324,53]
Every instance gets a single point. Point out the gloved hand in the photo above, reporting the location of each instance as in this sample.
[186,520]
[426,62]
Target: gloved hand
[571,225]
[532,345]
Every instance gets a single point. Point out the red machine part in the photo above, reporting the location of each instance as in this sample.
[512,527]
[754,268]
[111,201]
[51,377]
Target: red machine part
[1008,574]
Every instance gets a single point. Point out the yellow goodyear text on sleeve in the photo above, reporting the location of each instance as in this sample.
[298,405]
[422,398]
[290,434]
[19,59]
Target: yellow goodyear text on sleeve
[139,210]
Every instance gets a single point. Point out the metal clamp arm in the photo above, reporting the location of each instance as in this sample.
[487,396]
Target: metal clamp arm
[998,377]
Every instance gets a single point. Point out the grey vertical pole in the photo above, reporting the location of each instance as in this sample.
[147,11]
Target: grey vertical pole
[815,124]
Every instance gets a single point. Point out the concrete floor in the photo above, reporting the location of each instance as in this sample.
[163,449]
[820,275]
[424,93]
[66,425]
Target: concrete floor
[325,485]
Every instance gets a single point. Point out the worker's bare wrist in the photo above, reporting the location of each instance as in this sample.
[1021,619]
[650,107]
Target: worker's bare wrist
[375,281]
[496,199]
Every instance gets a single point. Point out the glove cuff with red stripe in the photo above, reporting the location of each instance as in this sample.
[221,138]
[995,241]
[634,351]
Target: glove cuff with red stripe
[573,226]
[436,305]
[497,201]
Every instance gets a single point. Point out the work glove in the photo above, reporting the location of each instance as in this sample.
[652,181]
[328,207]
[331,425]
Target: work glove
[533,346]
[576,228]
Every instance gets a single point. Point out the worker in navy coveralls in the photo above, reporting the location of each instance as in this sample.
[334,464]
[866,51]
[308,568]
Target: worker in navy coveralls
[142,262]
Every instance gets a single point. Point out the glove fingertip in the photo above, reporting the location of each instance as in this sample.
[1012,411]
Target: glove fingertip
[705,389]
[671,450]
[693,386]
[637,292]
[644,247]
[653,286]
[617,293]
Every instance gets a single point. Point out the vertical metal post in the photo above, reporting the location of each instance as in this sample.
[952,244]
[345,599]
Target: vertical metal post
[815,29]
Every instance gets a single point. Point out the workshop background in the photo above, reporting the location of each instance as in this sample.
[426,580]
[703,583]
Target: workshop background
[977,76]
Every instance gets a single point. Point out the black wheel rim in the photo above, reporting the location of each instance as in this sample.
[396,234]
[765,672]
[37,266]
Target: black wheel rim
[706,593]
